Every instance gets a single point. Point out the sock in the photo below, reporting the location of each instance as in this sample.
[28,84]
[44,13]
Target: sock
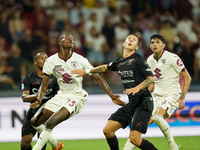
[44,147]
[52,141]
[113,143]
[146,145]
[29,148]
[43,139]
[129,145]
[164,127]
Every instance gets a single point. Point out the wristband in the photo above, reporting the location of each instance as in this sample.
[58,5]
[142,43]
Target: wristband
[87,71]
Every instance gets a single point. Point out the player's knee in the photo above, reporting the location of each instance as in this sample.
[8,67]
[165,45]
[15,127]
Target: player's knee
[157,118]
[25,143]
[50,124]
[135,140]
[107,132]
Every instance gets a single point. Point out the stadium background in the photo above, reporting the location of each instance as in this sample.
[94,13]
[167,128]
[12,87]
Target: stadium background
[144,18]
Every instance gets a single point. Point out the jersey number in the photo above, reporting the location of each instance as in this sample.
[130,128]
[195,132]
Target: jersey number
[71,102]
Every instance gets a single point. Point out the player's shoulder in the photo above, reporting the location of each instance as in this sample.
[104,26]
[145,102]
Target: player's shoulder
[170,55]
[76,55]
[29,75]
[54,56]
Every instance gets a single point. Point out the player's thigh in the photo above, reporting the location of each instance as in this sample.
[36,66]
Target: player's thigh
[57,118]
[112,126]
[41,117]
[167,105]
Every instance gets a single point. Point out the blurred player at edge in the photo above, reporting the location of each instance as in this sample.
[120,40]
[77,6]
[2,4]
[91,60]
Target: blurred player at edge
[30,86]
[71,98]
[167,95]
[136,77]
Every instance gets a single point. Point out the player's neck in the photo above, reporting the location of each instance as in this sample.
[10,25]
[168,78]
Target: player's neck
[157,55]
[65,54]
[128,52]
[39,72]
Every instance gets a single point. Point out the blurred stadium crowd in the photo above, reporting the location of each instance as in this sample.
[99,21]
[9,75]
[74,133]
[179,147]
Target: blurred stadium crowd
[99,28]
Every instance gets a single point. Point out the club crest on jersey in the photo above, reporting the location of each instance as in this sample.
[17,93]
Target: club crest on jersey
[130,62]
[74,64]
[163,61]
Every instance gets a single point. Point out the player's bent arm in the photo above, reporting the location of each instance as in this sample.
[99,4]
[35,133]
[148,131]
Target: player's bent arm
[148,81]
[151,87]
[186,83]
[26,97]
[43,88]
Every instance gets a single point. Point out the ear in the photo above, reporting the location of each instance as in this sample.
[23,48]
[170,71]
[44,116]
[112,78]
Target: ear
[124,44]
[164,45]
[137,47]
[35,62]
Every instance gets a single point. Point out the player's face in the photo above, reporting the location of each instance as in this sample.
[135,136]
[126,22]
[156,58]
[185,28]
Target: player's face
[157,45]
[41,58]
[131,42]
[67,41]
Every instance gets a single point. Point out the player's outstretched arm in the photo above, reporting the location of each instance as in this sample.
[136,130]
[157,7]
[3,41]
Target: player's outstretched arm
[144,84]
[104,85]
[82,72]
[186,83]
[41,92]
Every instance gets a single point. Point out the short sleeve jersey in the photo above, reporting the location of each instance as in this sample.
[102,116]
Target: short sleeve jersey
[132,71]
[61,69]
[31,82]
[166,73]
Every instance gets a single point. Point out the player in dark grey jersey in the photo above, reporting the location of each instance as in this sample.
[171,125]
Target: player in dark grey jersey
[136,77]
[30,86]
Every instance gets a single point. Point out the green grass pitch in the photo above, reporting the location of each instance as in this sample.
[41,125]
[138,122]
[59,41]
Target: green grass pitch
[187,143]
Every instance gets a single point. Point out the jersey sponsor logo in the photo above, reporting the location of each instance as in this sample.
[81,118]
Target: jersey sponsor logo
[58,68]
[128,73]
[74,64]
[35,82]
[128,81]
[67,79]
[157,73]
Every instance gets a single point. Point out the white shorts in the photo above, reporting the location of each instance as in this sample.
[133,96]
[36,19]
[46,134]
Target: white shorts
[72,102]
[166,102]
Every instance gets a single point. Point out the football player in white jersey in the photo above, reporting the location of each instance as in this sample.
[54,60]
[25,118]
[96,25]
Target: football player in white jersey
[167,94]
[71,97]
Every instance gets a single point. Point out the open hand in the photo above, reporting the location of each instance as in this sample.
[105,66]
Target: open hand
[117,101]
[181,104]
[80,72]
[131,91]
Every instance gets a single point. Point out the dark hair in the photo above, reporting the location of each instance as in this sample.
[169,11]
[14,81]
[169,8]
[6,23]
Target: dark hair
[35,55]
[157,36]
